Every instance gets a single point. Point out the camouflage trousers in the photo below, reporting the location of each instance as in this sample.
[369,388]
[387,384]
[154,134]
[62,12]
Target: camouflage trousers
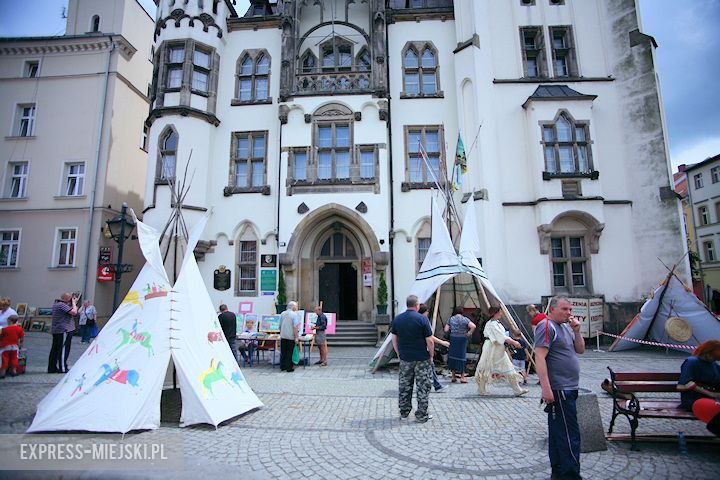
[418,373]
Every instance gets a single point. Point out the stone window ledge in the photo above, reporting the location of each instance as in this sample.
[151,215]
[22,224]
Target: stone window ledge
[236,102]
[14,199]
[59,269]
[594,175]
[407,186]
[20,137]
[69,197]
[232,190]
[405,96]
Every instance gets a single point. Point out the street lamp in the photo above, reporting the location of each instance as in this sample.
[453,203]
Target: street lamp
[120,228]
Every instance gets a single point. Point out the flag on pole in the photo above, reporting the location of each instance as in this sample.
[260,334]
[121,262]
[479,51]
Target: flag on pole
[460,164]
[460,158]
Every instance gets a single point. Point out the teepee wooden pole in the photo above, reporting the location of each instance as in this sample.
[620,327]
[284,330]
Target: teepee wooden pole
[435,309]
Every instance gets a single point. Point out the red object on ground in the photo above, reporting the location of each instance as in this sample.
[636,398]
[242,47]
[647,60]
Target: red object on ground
[705,409]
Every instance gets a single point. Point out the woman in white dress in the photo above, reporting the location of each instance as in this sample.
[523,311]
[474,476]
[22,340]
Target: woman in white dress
[495,365]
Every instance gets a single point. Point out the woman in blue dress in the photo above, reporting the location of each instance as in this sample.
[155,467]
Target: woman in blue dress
[461,329]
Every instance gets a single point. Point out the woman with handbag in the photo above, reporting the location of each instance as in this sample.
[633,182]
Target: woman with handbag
[87,321]
[495,365]
[461,329]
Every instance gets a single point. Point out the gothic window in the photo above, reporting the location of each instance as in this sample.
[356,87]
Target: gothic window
[253,77]
[167,156]
[363,60]
[249,161]
[309,62]
[566,145]
[338,245]
[336,55]
[424,157]
[420,71]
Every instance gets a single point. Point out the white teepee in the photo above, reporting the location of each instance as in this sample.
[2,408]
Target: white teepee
[117,383]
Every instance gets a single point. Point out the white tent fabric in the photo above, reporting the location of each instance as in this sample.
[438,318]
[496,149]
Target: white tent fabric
[117,383]
[678,301]
[442,263]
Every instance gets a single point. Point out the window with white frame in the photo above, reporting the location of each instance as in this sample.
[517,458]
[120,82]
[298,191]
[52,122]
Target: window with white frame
[420,70]
[167,156]
[65,247]
[423,245]
[247,268]
[174,66]
[300,164]
[533,52]
[424,156]
[31,68]
[17,178]
[703,215]
[74,185]
[709,248]
[569,264]
[253,77]
[698,180]
[566,146]
[333,150]
[201,69]
[249,157]
[715,174]
[563,52]
[9,247]
[25,120]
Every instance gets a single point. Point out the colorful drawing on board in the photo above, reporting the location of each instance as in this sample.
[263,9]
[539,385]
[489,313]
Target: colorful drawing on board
[132,337]
[239,322]
[311,319]
[250,323]
[21,309]
[245,307]
[270,323]
[301,316]
[210,376]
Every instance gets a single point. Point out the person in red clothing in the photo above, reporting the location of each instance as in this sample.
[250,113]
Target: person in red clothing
[536,316]
[10,341]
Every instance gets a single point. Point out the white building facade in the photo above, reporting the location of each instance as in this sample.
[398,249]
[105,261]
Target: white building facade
[73,109]
[301,122]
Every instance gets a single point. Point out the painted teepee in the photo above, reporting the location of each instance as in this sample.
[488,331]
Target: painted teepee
[117,383]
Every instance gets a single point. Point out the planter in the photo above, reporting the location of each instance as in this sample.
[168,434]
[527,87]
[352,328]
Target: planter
[382,309]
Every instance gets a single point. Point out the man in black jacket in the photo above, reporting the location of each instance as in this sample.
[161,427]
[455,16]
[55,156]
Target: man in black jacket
[228,323]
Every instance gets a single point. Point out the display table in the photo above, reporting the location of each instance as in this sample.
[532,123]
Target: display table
[257,341]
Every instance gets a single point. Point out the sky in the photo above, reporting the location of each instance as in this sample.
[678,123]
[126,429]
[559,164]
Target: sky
[687,61]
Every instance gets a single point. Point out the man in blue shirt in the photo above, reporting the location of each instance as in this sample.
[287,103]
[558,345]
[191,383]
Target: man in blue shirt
[412,341]
[557,343]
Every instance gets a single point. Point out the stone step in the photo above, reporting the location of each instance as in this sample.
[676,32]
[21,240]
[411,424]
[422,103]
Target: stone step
[353,333]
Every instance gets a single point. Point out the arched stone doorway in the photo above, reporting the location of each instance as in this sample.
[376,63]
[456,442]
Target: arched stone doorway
[325,259]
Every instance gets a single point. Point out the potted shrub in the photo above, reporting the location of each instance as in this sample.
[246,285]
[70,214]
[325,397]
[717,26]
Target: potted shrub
[282,293]
[382,295]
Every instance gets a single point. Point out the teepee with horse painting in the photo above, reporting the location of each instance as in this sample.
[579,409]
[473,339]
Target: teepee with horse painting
[116,385]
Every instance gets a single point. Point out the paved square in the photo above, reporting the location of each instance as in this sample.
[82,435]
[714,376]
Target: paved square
[342,422]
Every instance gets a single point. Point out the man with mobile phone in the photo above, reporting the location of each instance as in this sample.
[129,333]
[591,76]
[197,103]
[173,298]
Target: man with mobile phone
[557,343]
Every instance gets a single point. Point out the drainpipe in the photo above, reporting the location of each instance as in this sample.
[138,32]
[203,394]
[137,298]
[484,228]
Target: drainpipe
[93,183]
[391,236]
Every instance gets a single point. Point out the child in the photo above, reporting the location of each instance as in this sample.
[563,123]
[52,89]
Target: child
[11,340]
[520,355]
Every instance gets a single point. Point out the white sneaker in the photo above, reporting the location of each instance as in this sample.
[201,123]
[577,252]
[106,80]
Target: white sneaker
[440,390]
[521,392]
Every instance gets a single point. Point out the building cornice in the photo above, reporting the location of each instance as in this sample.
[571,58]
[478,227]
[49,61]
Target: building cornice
[419,14]
[533,203]
[253,23]
[65,44]
[183,111]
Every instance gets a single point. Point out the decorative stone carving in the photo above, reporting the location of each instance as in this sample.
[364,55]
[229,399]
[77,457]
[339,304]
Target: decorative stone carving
[358,116]
[308,118]
[287,262]
[302,208]
[544,231]
[361,207]
[383,110]
[283,112]
[381,259]
[594,237]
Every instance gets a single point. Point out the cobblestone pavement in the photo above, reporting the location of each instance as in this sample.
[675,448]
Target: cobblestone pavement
[342,422]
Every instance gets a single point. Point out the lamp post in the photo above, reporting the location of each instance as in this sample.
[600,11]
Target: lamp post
[120,228]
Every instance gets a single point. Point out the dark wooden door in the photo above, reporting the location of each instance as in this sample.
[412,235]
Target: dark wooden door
[338,290]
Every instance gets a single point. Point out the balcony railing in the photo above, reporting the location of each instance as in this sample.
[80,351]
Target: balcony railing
[333,82]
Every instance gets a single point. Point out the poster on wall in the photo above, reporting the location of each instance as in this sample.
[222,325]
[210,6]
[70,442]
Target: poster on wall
[245,307]
[311,319]
[596,312]
[250,323]
[270,324]
[268,281]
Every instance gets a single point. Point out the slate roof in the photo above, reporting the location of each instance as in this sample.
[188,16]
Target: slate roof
[557,92]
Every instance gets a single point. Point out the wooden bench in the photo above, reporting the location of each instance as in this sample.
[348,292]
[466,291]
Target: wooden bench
[625,386]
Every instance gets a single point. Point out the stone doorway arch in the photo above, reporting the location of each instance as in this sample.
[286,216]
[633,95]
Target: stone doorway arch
[305,262]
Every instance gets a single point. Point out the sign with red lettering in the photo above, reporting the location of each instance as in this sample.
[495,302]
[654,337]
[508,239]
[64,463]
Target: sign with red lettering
[105,273]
